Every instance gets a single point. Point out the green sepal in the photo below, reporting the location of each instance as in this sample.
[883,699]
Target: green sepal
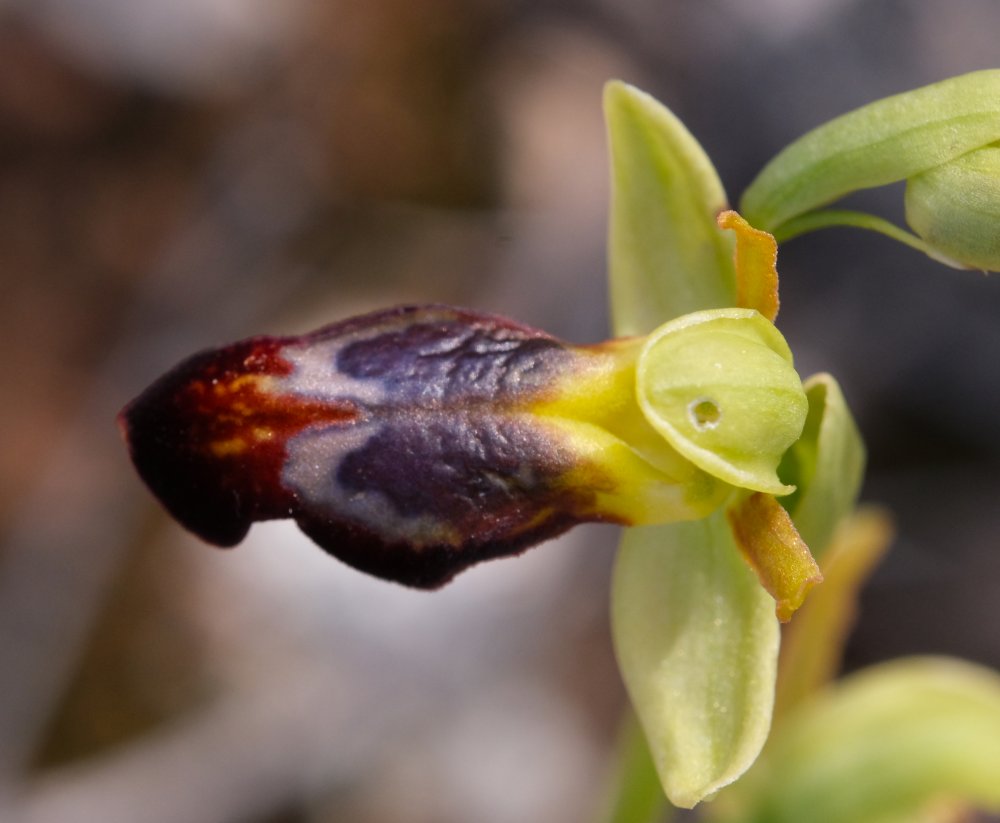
[889,140]
[697,642]
[884,745]
[667,256]
[826,465]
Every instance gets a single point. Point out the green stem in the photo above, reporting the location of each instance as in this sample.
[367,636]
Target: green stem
[833,218]
[635,794]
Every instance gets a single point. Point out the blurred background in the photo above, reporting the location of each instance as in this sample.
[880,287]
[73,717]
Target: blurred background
[177,174]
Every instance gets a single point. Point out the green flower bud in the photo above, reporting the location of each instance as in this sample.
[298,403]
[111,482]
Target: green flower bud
[942,139]
[955,208]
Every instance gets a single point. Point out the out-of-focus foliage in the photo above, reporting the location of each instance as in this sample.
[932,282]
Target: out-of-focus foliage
[886,744]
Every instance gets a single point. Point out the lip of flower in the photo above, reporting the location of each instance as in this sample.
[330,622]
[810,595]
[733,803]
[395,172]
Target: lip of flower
[415,442]
[395,440]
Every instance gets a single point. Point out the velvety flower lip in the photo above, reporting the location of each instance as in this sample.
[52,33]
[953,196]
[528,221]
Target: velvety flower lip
[402,442]
[208,437]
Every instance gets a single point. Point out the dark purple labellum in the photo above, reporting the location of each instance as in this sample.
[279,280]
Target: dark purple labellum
[402,442]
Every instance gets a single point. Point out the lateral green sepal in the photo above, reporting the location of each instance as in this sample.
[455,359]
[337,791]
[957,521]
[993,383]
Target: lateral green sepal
[697,642]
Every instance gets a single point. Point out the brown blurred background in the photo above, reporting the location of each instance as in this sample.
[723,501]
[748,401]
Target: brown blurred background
[177,174]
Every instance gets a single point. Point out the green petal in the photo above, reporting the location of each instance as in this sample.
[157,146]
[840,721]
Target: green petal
[955,207]
[771,545]
[697,641]
[667,257]
[888,140]
[826,465]
[720,387]
[883,746]
[756,264]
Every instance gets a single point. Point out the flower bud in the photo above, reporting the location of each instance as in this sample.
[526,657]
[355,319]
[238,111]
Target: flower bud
[955,208]
[941,139]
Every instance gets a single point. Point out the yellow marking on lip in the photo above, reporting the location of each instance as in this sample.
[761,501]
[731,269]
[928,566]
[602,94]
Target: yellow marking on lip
[228,448]
[238,445]
[220,388]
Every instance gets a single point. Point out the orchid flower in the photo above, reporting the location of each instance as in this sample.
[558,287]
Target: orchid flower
[415,442]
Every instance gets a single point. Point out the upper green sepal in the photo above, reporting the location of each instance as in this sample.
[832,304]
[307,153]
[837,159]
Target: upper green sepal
[667,256]
[720,387]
